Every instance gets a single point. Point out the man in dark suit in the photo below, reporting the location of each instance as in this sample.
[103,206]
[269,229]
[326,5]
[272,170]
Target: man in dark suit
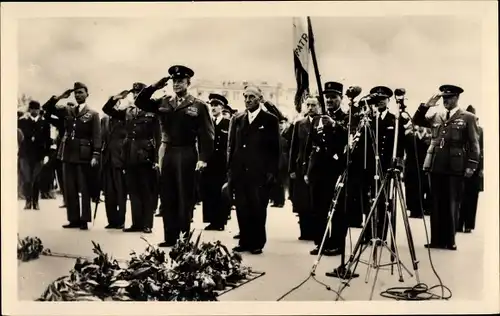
[472,187]
[278,190]
[33,152]
[189,132]
[215,208]
[253,160]
[113,170]
[383,125]
[453,154]
[80,152]
[301,198]
[140,155]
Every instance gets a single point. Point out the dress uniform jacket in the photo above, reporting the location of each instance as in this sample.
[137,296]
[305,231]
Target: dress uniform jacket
[253,161]
[454,147]
[215,210]
[80,144]
[189,134]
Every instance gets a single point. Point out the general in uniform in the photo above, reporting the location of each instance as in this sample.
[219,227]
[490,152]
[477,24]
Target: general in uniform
[253,161]
[80,152]
[452,155]
[140,154]
[189,133]
[33,152]
[215,208]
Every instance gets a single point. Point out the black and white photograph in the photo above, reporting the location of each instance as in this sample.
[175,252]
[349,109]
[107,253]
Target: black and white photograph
[317,154]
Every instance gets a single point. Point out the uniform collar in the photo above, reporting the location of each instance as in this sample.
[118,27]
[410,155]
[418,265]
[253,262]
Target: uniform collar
[34,119]
[82,106]
[253,115]
[453,111]
[383,114]
[218,119]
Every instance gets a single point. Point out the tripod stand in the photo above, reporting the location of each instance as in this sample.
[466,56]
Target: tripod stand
[392,183]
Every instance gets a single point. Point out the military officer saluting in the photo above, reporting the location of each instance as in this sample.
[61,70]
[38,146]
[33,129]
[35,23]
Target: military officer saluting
[189,133]
[452,155]
[215,209]
[80,151]
[140,151]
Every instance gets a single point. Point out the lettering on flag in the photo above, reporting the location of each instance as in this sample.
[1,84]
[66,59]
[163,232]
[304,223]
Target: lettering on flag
[301,50]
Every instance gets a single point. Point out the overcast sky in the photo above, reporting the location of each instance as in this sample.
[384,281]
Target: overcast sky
[418,53]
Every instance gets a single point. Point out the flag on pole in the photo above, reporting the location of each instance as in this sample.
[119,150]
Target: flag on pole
[301,50]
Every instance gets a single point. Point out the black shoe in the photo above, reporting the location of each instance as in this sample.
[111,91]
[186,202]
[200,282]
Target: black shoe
[28,206]
[36,207]
[236,236]
[306,238]
[147,230]
[119,226]
[166,244]
[256,251]
[62,206]
[450,247]
[331,252]
[72,225]
[83,226]
[110,226]
[468,230]
[314,252]
[239,249]
[132,229]
[415,216]
[433,246]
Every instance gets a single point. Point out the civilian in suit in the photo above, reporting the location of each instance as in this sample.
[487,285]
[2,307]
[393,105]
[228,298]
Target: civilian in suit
[113,170]
[140,155]
[301,198]
[80,153]
[215,208]
[385,122]
[278,190]
[33,152]
[20,137]
[189,132]
[253,161]
[472,187]
[453,154]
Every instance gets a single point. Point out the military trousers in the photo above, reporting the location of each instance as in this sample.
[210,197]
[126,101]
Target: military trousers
[30,173]
[177,190]
[115,194]
[215,207]
[140,183]
[468,207]
[446,193]
[301,200]
[77,179]
[251,199]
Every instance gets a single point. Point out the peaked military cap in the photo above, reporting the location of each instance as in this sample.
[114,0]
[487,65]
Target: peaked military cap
[180,72]
[449,89]
[80,85]
[471,109]
[382,91]
[34,105]
[217,98]
[334,87]
[138,86]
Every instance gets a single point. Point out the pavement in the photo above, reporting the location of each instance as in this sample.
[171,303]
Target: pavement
[286,260]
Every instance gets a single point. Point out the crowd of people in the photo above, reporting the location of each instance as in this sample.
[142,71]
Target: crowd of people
[171,153]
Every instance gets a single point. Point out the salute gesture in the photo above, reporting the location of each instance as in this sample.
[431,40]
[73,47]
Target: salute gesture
[433,100]
[121,95]
[161,83]
[65,95]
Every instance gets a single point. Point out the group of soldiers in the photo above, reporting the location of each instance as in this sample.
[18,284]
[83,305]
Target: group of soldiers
[173,152]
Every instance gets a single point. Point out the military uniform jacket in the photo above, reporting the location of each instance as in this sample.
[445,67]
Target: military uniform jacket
[82,132]
[218,161]
[324,152]
[298,146]
[454,143]
[36,142]
[142,137]
[113,135]
[253,150]
[184,123]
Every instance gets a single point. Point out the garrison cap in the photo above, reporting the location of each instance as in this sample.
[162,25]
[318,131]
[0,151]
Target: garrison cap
[180,72]
[80,85]
[382,91]
[138,86]
[34,105]
[449,89]
[471,109]
[334,87]
[217,98]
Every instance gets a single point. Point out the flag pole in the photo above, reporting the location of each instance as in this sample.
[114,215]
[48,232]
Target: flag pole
[315,64]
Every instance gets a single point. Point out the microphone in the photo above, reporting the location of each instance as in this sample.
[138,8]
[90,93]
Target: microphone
[353,92]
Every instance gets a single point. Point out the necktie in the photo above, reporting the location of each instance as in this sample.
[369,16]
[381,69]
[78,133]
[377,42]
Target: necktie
[447,115]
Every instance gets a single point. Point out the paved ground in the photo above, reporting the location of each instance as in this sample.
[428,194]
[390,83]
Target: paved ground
[286,261]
